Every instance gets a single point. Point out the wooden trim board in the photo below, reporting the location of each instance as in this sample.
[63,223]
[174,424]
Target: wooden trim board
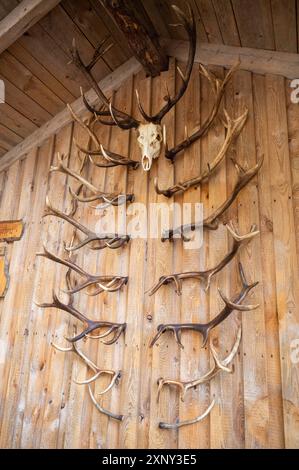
[21,18]
[110,83]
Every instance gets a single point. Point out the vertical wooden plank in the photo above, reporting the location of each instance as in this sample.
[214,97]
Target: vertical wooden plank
[232,387]
[220,388]
[284,24]
[227,22]
[254,348]
[132,365]
[117,261]
[273,377]
[286,262]
[293,116]
[254,22]
[165,351]
[148,302]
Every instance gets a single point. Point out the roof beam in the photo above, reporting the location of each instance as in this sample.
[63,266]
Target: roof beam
[110,83]
[19,20]
[254,60]
[137,28]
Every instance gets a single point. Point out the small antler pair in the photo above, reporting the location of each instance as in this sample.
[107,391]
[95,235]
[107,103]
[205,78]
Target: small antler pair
[97,372]
[218,366]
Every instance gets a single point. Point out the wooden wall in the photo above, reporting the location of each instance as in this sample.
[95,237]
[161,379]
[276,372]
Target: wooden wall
[258,405]
[39,81]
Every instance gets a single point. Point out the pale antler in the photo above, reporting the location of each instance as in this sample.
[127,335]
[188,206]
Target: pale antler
[98,283]
[207,275]
[97,371]
[219,365]
[112,241]
[234,127]
[111,159]
[212,221]
[205,328]
[179,424]
[91,325]
[99,407]
[109,198]
[218,87]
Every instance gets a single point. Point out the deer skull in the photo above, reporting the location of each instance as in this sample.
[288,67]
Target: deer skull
[149,137]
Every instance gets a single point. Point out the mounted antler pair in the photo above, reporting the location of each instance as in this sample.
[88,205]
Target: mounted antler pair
[149,133]
[207,275]
[94,283]
[205,328]
[90,325]
[99,241]
[212,221]
[219,365]
[108,198]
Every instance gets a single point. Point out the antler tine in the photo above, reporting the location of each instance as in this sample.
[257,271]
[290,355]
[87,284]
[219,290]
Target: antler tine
[188,22]
[234,127]
[76,118]
[218,87]
[179,424]
[212,222]
[118,417]
[205,328]
[242,238]
[129,120]
[236,306]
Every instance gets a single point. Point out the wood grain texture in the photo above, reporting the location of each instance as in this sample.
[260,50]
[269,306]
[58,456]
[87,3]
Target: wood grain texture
[256,406]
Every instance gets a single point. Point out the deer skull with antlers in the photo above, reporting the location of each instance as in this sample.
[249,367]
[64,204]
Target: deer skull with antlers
[150,134]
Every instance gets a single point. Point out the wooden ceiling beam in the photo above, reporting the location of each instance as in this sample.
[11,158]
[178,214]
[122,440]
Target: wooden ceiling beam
[21,18]
[259,61]
[133,21]
[108,84]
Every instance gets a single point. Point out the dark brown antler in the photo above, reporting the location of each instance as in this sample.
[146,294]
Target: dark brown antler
[205,328]
[212,222]
[113,199]
[91,325]
[112,241]
[188,22]
[108,159]
[98,283]
[218,87]
[179,424]
[123,119]
[219,365]
[207,275]
[234,127]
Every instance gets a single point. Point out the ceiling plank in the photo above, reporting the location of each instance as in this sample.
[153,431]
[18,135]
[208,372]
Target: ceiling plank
[112,82]
[21,18]
[254,60]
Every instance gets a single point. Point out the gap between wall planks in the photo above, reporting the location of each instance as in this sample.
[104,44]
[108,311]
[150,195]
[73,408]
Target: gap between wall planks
[257,406]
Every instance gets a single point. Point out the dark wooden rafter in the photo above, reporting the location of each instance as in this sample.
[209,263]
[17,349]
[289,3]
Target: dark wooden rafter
[134,22]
